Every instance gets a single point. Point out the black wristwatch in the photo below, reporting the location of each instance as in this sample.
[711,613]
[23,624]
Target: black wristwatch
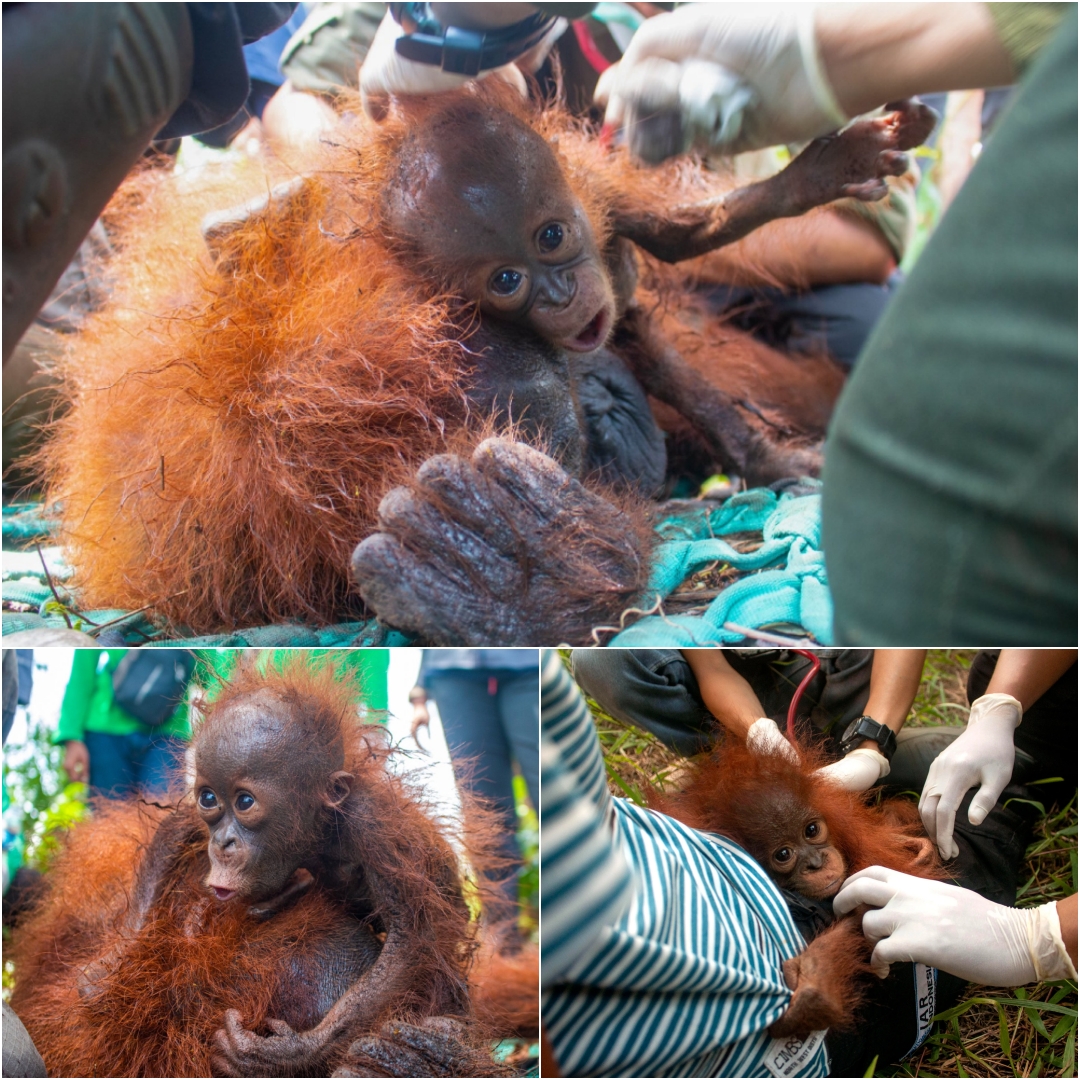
[866,727]
[465,52]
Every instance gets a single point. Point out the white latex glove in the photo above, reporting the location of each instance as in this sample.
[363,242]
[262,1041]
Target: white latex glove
[764,737]
[385,72]
[857,771]
[982,756]
[943,926]
[738,76]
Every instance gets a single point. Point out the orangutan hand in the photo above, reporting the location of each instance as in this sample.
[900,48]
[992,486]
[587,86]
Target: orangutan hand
[504,546]
[285,1053]
[437,1046]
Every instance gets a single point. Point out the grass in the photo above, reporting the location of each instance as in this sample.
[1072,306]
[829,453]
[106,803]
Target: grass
[1028,1031]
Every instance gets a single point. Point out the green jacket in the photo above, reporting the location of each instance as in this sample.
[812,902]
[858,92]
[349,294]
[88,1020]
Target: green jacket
[88,701]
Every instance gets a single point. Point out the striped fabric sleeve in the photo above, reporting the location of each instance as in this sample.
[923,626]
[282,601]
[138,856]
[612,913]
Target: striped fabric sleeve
[585,880]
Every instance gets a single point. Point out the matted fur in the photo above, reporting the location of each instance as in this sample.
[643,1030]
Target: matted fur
[234,422]
[153,1000]
[732,790]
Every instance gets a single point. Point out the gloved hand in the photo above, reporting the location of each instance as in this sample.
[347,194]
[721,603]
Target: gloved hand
[764,737]
[857,771]
[943,926]
[385,72]
[983,755]
[734,76]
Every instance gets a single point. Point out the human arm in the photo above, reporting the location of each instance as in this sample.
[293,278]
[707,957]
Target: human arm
[731,699]
[894,682]
[421,718]
[958,931]
[785,74]
[984,753]
[74,710]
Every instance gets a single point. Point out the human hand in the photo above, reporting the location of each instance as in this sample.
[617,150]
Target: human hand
[857,771]
[944,926]
[732,76]
[77,761]
[983,755]
[764,737]
[421,718]
[385,72]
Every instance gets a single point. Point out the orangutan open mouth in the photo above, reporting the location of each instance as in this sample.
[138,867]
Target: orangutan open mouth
[594,335]
[224,894]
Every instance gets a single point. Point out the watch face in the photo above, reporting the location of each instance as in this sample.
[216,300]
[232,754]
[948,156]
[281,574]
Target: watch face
[849,731]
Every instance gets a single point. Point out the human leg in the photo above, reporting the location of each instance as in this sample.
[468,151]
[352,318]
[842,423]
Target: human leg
[112,763]
[518,702]
[653,689]
[480,754]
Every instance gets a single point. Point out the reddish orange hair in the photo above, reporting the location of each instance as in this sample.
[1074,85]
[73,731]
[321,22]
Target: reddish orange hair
[101,1000]
[732,790]
[236,418]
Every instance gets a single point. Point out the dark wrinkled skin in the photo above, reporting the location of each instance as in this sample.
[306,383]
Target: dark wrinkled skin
[510,549]
[473,202]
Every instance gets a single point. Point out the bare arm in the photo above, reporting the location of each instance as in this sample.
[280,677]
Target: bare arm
[1067,917]
[1026,674]
[880,52]
[894,682]
[726,694]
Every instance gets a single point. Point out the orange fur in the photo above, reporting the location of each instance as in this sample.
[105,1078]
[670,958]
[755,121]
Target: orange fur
[102,999]
[234,424]
[732,789]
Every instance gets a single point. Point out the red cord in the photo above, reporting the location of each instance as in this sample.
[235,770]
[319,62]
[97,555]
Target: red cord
[597,60]
[793,708]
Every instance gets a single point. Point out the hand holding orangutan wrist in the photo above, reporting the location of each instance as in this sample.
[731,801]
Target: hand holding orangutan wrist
[729,75]
[954,929]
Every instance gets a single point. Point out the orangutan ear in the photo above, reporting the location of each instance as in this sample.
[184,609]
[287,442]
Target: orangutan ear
[338,789]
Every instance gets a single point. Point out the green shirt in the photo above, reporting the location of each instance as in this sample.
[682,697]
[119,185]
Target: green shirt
[88,701]
[369,665]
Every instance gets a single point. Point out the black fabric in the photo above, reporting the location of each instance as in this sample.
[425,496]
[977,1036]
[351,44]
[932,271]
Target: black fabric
[1048,731]
[989,863]
[836,319]
[219,78]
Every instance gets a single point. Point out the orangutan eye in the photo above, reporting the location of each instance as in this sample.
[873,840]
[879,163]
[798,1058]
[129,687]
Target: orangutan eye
[550,237]
[506,282]
[783,855]
[244,801]
[812,830]
[207,799]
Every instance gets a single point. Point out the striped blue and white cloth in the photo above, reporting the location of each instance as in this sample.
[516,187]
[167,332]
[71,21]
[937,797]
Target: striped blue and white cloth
[662,946]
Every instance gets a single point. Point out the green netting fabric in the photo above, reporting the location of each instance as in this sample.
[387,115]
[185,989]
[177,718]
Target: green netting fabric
[785,583]
[24,523]
[788,588]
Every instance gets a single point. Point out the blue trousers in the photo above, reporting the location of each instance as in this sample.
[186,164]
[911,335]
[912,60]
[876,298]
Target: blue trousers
[491,718]
[142,763]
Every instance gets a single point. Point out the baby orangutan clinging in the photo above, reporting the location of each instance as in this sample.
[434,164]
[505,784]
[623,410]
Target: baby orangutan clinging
[809,835]
[298,912]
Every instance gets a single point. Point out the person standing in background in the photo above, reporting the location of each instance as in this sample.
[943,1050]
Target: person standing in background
[488,701]
[105,746]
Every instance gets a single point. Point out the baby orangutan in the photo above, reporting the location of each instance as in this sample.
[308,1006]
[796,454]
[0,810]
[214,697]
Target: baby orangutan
[809,835]
[296,913]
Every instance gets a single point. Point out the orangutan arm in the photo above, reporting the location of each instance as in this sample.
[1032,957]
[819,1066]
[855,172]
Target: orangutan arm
[852,164]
